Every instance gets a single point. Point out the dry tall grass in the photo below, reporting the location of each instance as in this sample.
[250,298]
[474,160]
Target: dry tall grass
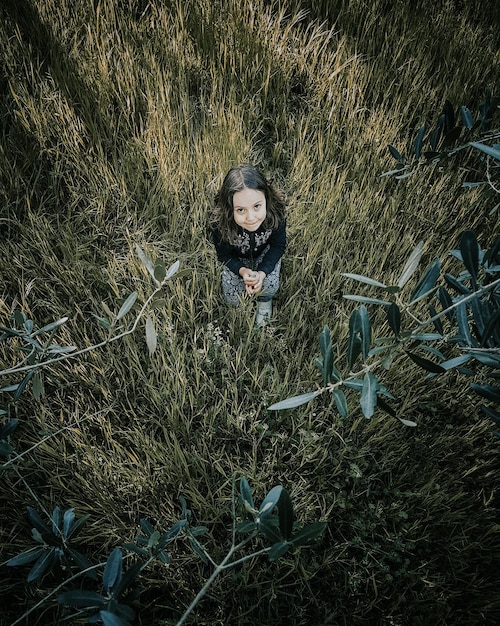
[118,122]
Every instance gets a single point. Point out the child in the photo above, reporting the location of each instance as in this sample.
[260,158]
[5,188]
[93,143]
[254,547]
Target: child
[249,233]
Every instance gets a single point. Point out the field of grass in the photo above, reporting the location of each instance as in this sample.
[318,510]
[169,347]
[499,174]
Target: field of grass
[118,122]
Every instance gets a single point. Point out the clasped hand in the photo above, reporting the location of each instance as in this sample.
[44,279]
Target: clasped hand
[253,280]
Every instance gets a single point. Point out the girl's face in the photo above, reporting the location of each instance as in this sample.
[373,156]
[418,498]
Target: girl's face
[249,208]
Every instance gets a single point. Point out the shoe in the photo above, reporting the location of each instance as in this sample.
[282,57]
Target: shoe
[264,312]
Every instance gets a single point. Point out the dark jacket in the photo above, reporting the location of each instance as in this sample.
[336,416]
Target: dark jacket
[249,246]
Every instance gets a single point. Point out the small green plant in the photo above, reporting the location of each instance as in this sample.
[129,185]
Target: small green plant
[473,331]
[40,351]
[110,607]
[272,521]
[54,544]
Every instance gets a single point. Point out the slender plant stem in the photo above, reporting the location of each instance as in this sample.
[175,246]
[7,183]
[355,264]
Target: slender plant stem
[220,568]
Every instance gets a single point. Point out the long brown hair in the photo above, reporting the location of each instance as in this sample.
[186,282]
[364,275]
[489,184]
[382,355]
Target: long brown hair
[238,178]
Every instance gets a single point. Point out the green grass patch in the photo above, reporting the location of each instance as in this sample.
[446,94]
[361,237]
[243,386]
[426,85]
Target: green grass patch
[118,123]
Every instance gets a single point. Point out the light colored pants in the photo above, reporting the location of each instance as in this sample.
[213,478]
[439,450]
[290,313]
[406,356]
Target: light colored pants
[233,287]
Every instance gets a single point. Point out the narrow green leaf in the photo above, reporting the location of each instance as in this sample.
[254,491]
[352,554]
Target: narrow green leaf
[354,340]
[449,116]
[151,336]
[19,317]
[456,284]
[270,530]
[428,280]
[43,565]
[436,133]
[411,265]
[353,383]
[426,364]
[105,323]
[456,362]
[336,375]
[81,599]
[198,549]
[403,176]
[198,531]
[111,619]
[380,349]
[174,531]
[325,341]
[22,386]
[466,116]
[463,325]
[285,514]
[50,327]
[278,549]
[364,279]
[55,349]
[9,388]
[246,492]
[426,337]
[173,269]
[38,386]
[9,427]
[270,501]
[492,414]
[470,254]
[341,402]
[365,331]
[409,423]
[56,521]
[365,300]
[490,151]
[438,325]
[37,521]
[146,261]
[490,392]
[368,399]
[395,154]
[131,547]
[295,401]
[112,570]
[327,352]
[160,270]
[163,557]
[418,142]
[308,533]
[146,527]
[26,557]
[68,521]
[394,318]
[153,539]
[446,302]
[491,360]
[127,305]
[386,407]
[451,138]
[490,327]
[78,524]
